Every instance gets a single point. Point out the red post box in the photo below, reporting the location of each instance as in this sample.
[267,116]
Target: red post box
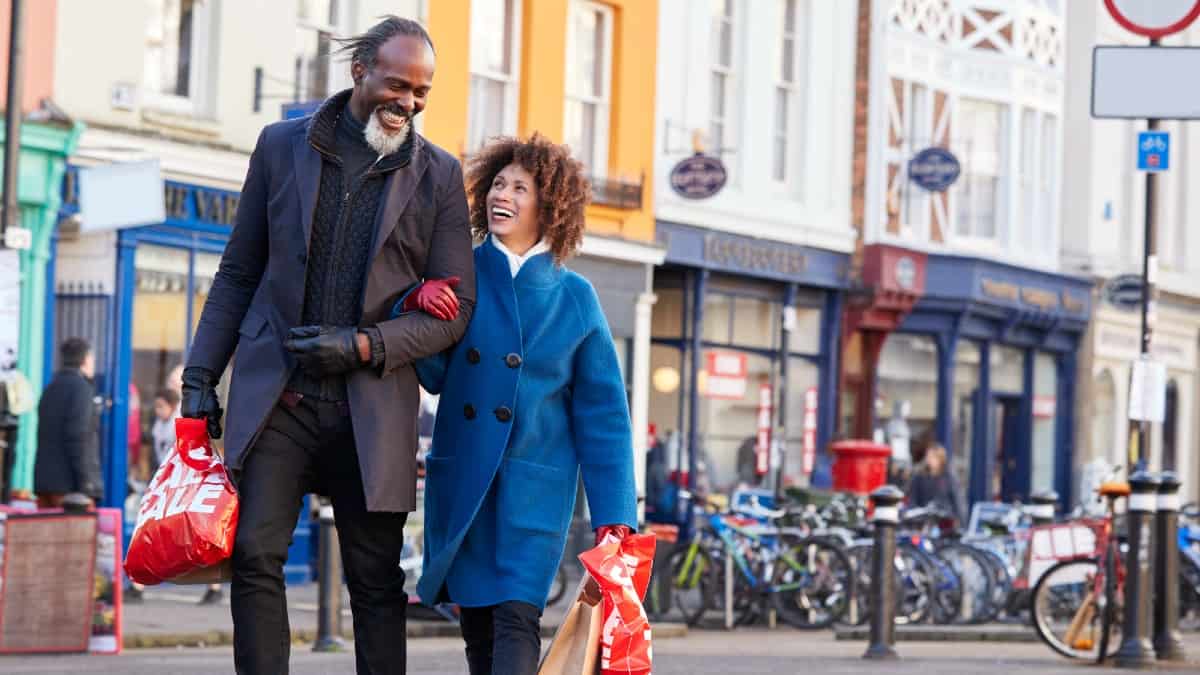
[859,466]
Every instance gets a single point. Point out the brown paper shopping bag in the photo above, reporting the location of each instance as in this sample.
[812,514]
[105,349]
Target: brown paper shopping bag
[575,649]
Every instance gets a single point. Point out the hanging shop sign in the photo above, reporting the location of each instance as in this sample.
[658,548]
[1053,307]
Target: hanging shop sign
[698,177]
[1124,292]
[934,169]
[762,444]
[808,459]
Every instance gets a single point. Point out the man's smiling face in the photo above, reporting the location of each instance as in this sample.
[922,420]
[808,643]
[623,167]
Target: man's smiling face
[389,93]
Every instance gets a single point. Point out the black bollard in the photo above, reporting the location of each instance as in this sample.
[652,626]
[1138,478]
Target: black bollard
[329,586]
[1136,650]
[883,575]
[1042,507]
[1168,645]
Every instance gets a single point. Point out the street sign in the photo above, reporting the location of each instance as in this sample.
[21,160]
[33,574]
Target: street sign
[698,177]
[1154,151]
[934,169]
[1143,82]
[1154,19]
[1124,292]
[1148,390]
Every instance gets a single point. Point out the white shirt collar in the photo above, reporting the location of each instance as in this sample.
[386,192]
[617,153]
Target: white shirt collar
[516,261]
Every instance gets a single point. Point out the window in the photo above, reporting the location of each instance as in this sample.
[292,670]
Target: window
[721,112]
[176,43]
[917,202]
[787,94]
[1048,185]
[1026,193]
[316,22]
[495,49]
[589,93]
[981,133]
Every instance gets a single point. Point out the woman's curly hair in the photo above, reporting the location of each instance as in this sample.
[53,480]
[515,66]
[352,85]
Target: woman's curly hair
[563,190]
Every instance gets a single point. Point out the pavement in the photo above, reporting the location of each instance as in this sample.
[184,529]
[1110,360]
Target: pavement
[170,616]
[741,652]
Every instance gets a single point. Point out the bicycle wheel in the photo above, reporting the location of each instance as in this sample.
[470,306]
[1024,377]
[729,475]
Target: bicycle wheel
[922,589]
[1066,612]
[1109,609]
[858,610]
[745,609]
[1002,584]
[693,581]
[974,578]
[812,584]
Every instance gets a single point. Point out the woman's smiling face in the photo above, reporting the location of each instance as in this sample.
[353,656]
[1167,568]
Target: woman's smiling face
[512,205]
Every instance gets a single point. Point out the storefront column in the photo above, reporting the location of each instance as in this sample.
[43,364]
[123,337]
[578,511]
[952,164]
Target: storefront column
[116,469]
[700,282]
[983,459]
[1064,427]
[640,408]
[947,344]
[827,388]
[42,163]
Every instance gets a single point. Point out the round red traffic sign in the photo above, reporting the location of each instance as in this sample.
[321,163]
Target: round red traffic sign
[1154,19]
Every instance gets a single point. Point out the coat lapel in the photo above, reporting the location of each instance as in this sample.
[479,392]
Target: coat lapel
[499,278]
[308,181]
[401,185]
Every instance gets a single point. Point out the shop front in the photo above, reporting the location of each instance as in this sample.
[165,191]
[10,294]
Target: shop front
[1113,347]
[742,364]
[985,364]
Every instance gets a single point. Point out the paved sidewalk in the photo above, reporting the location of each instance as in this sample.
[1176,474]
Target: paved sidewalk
[169,616]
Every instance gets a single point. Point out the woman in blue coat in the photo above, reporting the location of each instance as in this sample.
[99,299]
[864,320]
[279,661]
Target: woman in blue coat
[531,398]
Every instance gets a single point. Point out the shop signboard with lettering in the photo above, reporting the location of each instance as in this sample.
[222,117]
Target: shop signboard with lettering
[726,375]
[762,443]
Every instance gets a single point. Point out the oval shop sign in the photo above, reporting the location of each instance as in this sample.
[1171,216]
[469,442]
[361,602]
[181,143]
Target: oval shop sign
[698,177]
[934,169]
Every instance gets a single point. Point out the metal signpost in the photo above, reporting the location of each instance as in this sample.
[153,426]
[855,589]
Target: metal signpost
[1132,83]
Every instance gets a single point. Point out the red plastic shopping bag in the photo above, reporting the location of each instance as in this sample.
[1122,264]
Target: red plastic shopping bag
[622,569]
[188,516]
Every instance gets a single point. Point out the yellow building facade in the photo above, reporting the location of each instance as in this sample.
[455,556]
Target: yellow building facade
[540,62]
[581,72]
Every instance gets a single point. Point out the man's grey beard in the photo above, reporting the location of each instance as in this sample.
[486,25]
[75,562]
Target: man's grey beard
[380,140]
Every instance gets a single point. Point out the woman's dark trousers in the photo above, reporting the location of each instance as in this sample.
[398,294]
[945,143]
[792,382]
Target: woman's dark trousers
[503,639]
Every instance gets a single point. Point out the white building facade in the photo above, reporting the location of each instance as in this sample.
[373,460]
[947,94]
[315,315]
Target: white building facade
[1103,222]
[969,330]
[754,271]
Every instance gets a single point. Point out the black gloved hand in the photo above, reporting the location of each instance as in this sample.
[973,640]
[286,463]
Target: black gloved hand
[324,350]
[199,398]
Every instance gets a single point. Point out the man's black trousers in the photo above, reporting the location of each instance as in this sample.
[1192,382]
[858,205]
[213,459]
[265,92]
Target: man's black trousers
[308,446]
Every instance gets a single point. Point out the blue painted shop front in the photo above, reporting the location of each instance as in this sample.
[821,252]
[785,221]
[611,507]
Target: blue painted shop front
[144,326]
[775,309]
[1004,340]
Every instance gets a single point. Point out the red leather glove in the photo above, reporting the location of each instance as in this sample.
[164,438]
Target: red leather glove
[435,297]
[618,531]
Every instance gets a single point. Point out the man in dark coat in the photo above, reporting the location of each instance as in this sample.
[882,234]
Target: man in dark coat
[68,449]
[341,214]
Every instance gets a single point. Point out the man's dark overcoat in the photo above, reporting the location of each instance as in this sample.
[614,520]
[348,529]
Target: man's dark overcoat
[421,231]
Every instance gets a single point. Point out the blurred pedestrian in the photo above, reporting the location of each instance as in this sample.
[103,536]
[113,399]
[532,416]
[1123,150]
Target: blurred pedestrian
[68,449]
[531,399]
[933,483]
[162,432]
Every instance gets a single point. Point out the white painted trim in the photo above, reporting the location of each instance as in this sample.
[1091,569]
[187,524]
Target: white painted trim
[886,514]
[603,103]
[1168,502]
[198,164]
[1143,502]
[623,249]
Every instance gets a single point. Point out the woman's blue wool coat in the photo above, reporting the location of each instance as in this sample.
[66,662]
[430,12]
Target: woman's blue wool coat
[531,398]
